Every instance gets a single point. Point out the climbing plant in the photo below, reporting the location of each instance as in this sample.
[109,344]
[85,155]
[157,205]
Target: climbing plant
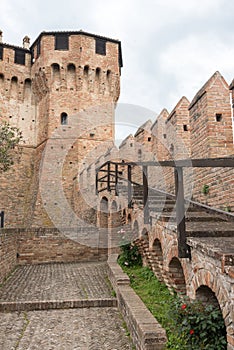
[10,150]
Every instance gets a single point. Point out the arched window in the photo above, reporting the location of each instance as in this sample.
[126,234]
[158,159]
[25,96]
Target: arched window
[64,118]
[71,76]
[27,88]
[14,87]
[86,71]
[55,68]
[71,68]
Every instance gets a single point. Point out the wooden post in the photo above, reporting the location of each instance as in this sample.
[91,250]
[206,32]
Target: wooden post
[145,194]
[96,182]
[108,177]
[116,179]
[129,186]
[183,248]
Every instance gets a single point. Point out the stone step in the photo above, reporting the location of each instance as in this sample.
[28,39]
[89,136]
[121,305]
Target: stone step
[210,229]
[193,216]
[12,306]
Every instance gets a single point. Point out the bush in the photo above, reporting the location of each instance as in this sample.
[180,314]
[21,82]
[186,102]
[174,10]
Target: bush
[201,326]
[130,255]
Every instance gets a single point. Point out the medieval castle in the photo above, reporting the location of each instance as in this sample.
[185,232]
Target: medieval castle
[61,93]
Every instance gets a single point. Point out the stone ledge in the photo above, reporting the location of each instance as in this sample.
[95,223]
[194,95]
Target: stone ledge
[55,304]
[146,332]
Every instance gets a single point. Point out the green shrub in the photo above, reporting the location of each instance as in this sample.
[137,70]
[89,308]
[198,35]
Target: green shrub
[129,256]
[201,326]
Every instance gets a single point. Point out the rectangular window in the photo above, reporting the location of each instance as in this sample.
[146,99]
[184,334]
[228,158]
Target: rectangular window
[101,46]
[61,42]
[1,52]
[20,56]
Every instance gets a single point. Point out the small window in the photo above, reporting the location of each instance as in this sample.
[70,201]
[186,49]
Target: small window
[1,52]
[185,126]
[61,42]
[64,118]
[218,117]
[100,46]
[164,136]
[38,48]
[149,139]
[19,56]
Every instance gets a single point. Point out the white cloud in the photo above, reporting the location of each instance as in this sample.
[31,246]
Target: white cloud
[192,60]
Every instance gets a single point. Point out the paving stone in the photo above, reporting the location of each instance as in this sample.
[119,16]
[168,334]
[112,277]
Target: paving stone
[71,281]
[85,328]
[75,329]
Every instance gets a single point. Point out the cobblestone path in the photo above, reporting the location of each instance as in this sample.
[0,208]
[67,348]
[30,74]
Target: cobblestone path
[57,282]
[95,328]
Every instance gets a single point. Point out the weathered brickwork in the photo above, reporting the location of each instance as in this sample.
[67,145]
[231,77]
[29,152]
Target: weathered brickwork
[61,92]
[36,246]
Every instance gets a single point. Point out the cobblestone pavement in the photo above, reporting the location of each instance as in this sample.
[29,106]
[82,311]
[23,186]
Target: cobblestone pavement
[57,282]
[74,329]
[95,328]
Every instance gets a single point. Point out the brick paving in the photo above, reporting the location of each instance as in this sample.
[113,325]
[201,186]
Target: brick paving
[57,282]
[90,328]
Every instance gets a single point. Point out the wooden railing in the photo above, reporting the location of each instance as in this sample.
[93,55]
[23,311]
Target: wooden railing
[113,176]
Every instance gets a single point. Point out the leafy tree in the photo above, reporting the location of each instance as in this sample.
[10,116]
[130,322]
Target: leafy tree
[10,150]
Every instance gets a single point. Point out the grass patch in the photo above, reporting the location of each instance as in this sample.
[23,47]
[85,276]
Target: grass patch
[190,326]
[158,300]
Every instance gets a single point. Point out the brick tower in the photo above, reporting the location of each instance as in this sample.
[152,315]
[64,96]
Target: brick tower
[65,80]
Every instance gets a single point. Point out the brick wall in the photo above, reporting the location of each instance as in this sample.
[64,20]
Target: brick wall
[8,252]
[35,246]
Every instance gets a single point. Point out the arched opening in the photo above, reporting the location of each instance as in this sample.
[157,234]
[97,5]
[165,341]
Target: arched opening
[117,233]
[71,76]
[104,213]
[56,74]
[157,259]
[14,87]
[55,69]
[145,235]
[129,219]
[176,276]
[207,296]
[64,118]
[86,77]
[27,89]
[115,215]
[135,230]
[98,73]
[97,79]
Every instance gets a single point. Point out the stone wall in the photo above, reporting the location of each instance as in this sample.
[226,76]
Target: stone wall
[145,331]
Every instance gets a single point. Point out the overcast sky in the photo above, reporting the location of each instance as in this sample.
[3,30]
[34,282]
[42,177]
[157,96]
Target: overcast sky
[170,47]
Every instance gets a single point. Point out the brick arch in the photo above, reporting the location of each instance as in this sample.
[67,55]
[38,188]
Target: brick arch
[170,251]
[104,208]
[145,234]
[136,228]
[206,278]
[176,276]
[157,259]
[129,219]
[115,217]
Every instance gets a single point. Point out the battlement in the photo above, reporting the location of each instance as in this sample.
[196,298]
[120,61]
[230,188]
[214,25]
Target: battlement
[61,74]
